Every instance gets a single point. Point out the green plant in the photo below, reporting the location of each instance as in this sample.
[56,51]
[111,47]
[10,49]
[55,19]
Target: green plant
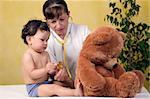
[135,54]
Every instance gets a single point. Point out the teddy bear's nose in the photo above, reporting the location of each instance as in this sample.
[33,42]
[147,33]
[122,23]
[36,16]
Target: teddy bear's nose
[115,65]
[114,61]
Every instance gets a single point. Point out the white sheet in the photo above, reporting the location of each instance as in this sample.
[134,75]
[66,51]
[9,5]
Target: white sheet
[19,92]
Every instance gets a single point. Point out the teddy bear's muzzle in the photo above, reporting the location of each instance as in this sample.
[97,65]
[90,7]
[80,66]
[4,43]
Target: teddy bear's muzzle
[111,64]
[115,65]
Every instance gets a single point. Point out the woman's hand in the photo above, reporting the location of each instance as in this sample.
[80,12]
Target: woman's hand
[62,75]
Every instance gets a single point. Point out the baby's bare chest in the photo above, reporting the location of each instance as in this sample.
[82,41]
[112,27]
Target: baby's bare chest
[40,61]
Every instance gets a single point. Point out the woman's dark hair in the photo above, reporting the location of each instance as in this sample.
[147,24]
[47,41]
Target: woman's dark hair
[31,28]
[54,8]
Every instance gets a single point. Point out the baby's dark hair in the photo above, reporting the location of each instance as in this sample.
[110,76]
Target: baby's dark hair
[31,28]
[54,8]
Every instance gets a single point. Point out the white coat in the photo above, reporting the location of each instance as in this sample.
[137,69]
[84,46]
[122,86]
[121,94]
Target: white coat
[73,41]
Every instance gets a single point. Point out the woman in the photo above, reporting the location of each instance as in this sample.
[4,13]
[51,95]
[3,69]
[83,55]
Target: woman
[66,40]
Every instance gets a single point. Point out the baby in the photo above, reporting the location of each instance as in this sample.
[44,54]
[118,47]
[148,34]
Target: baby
[36,65]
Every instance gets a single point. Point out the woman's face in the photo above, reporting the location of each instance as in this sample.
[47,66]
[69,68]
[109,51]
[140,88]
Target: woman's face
[59,25]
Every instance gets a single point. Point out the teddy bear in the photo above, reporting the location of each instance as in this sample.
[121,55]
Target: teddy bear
[98,70]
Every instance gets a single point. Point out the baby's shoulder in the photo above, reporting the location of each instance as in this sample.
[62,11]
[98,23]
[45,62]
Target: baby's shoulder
[45,53]
[27,56]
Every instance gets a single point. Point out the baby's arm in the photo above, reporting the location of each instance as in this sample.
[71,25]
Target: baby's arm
[51,67]
[29,67]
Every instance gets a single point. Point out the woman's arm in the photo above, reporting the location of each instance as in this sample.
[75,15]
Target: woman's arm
[63,77]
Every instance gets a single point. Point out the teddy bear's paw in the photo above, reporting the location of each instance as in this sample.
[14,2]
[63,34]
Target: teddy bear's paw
[94,85]
[128,84]
[141,78]
[92,80]
[88,92]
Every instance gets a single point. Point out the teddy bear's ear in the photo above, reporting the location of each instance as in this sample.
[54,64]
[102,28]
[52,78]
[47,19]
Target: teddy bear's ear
[102,38]
[123,35]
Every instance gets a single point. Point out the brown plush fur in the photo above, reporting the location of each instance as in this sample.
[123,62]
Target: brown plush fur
[99,72]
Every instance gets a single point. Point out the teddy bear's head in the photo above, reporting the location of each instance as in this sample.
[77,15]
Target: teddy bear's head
[96,70]
[103,46]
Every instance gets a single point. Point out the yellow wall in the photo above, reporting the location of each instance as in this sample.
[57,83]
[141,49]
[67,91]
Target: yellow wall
[15,13]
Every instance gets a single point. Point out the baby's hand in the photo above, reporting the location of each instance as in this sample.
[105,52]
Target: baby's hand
[51,68]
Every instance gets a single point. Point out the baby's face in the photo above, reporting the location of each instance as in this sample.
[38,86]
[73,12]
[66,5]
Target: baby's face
[39,40]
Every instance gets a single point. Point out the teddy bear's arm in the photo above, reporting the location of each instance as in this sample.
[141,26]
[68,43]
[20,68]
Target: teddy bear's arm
[93,54]
[118,70]
[88,75]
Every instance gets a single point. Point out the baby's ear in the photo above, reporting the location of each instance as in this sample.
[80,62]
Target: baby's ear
[123,35]
[28,39]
